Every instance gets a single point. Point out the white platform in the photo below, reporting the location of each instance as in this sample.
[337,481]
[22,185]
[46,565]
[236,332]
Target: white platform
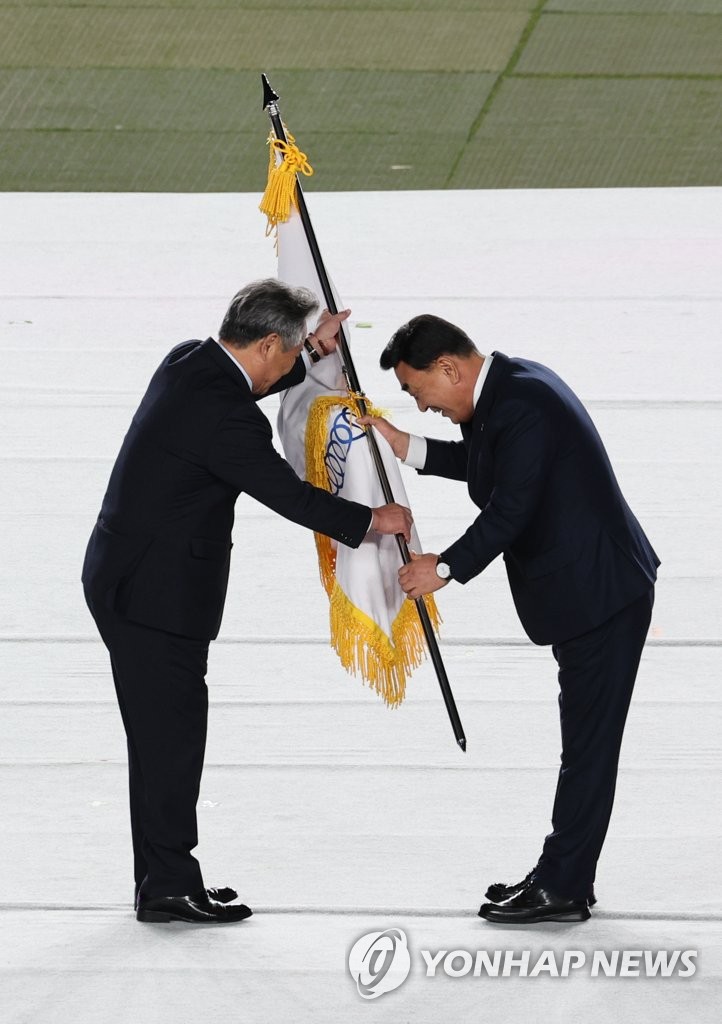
[331,814]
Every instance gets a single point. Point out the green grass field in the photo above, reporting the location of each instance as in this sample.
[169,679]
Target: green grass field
[165,95]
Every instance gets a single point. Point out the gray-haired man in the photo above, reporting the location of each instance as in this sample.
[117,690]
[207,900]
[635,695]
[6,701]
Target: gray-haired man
[156,568]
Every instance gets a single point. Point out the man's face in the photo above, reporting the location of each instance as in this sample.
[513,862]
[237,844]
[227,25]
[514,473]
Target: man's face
[286,359]
[278,362]
[436,389]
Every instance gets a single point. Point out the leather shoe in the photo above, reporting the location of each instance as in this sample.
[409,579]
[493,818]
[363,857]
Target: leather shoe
[224,895]
[533,905]
[500,891]
[198,908]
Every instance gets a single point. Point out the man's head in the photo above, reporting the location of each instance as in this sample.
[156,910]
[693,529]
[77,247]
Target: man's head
[266,326]
[437,364]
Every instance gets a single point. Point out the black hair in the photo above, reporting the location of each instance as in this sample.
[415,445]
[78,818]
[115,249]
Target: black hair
[422,340]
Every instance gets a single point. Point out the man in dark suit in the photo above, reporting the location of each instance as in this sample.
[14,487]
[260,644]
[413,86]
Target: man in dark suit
[157,563]
[580,568]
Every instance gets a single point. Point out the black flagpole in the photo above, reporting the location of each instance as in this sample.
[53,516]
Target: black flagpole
[270,103]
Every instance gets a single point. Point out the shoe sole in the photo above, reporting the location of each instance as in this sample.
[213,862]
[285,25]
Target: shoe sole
[575,915]
[158,917]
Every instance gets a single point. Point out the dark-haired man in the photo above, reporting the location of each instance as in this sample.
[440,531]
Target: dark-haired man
[156,568]
[580,568]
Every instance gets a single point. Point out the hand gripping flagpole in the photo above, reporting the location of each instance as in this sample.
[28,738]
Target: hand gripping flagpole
[270,103]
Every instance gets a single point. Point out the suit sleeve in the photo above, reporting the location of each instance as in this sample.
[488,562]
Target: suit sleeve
[523,456]
[446,458]
[241,452]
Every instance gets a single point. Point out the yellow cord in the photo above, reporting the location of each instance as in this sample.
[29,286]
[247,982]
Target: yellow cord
[280,192]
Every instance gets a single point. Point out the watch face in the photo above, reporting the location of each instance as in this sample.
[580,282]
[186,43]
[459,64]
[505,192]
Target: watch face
[442,570]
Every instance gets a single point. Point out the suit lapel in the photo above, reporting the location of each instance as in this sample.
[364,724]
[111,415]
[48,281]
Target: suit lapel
[475,425]
[497,370]
[473,431]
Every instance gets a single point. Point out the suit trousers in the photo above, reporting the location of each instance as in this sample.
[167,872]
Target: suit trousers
[597,671]
[160,684]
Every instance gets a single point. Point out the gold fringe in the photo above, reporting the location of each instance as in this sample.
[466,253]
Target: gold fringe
[316,430]
[280,192]
[362,646]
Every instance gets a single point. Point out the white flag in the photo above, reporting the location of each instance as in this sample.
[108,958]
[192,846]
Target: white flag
[375,629]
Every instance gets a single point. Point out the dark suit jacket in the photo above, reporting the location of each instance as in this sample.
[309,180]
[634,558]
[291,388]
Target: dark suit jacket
[550,503]
[160,551]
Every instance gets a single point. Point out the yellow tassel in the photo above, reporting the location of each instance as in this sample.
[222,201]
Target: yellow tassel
[280,192]
[362,646]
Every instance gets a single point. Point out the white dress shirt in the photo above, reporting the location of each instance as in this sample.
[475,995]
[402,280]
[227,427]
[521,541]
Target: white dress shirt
[416,455]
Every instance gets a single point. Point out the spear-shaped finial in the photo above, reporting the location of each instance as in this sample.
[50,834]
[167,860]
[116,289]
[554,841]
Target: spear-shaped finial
[269,96]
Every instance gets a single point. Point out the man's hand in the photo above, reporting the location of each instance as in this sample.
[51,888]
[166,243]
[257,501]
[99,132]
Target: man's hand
[326,333]
[392,519]
[419,576]
[398,439]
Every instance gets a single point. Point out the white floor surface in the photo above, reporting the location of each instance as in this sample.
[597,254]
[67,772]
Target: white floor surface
[332,815]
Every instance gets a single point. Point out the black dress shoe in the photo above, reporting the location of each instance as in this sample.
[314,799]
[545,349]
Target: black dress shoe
[224,895]
[533,905]
[500,891]
[198,908]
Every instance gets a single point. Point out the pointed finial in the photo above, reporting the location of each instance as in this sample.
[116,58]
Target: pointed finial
[269,96]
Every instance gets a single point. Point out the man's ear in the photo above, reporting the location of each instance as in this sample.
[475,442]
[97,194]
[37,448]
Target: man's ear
[449,368]
[268,345]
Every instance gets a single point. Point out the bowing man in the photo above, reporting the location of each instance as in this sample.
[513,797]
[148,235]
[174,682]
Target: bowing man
[580,569]
[157,563]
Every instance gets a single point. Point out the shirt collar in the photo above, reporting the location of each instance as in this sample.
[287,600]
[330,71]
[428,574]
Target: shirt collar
[483,372]
[241,368]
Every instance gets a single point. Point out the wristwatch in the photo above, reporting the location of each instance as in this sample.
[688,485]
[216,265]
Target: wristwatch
[313,354]
[443,571]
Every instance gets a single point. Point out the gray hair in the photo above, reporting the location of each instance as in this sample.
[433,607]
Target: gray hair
[268,307]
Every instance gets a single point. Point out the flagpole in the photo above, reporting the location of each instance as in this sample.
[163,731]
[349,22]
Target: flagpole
[270,103]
